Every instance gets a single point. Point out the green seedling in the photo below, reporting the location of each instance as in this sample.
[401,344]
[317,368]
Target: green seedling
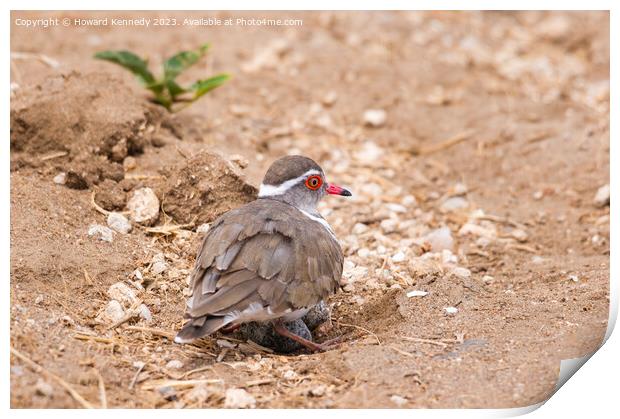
[167,92]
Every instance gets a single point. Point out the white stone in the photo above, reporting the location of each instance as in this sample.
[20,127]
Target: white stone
[396,207]
[398,257]
[119,223]
[113,312]
[459,189]
[375,117]
[319,390]
[60,178]
[461,272]
[159,264]
[44,388]
[174,364]
[122,293]
[440,239]
[454,203]
[369,153]
[537,260]
[289,375]
[447,257]
[145,313]
[573,278]
[417,293]
[330,98]
[238,398]
[138,274]
[203,228]
[143,206]
[602,196]
[363,252]
[487,279]
[359,228]
[199,393]
[537,195]
[451,310]
[409,200]
[519,234]
[101,232]
[398,400]
[389,225]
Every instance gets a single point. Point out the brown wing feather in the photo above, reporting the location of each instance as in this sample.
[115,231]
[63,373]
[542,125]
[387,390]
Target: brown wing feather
[265,252]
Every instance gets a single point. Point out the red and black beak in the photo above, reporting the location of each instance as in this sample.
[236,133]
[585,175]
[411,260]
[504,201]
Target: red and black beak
[337,190]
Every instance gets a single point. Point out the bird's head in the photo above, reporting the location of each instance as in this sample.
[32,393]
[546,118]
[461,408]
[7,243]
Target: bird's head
[299,181]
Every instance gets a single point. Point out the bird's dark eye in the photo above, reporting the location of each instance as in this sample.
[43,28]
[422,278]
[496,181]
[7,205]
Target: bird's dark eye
[314,182]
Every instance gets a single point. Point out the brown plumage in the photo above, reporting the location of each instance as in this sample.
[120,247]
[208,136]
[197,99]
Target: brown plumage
[269,258]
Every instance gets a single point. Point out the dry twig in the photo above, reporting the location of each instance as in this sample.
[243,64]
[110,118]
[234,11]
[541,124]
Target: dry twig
[180,383]
[102,394]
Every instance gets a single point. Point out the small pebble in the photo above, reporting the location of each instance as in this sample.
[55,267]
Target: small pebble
[143,206]
[398,257]
[369,153]
[602,196]
[440,239]
[203,228]
[174,364]
[238,398]
[398,400]
[43,388]
[518,234]
[119,223]
[417,293]
[573,278]
[318,391]
[375,117]
[454,203]
[451,310]
[113,312]
[39,299]
[330,98]
[145,313]
[129,163]
[199,394]
[122,293]
[101,232]
[289,375]
[359,228]
[537,260]
[60,178]
[461,272]
[159,264]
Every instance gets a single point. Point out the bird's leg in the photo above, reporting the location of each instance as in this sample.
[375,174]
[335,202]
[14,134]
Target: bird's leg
[230,328]
[279,327]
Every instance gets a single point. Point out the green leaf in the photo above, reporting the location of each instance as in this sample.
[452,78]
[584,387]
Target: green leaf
[174,89]
[180,62]
[131,62]
[204,86]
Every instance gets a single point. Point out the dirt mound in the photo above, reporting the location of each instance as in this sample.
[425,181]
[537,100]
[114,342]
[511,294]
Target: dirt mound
[204,188]
[95,118]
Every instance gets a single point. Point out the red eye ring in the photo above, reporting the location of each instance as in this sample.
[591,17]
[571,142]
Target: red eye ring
[314,182]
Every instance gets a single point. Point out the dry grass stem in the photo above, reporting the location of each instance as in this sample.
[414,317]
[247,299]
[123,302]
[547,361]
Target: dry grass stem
[180,383]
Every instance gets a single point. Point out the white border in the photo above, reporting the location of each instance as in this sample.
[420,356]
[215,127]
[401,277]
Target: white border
[597,382]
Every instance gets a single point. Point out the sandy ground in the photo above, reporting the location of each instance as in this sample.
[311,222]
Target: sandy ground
[497,127]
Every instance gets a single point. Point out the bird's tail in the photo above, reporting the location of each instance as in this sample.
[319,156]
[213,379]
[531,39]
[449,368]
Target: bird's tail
[199,327]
